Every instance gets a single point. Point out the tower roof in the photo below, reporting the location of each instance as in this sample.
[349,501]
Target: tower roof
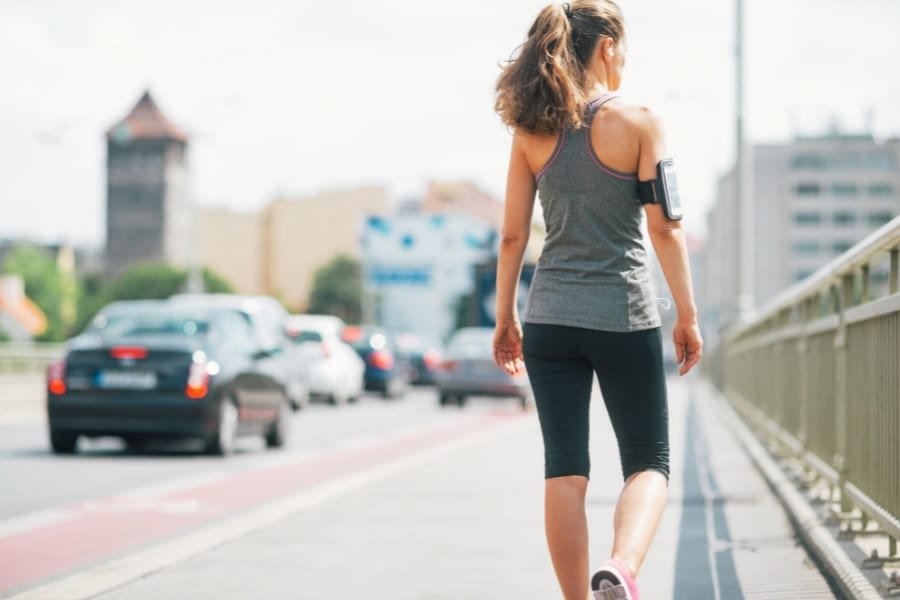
[146,122]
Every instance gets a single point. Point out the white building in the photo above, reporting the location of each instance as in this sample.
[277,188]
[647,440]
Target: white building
[812,200]
[418,266]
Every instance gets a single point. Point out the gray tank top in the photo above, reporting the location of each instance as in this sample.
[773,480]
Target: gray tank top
[593,270]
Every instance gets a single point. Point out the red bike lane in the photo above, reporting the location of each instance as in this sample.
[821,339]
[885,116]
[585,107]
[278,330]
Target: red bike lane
[106,528]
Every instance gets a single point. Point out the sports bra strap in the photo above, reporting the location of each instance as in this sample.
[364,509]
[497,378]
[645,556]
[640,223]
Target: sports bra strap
[594,105]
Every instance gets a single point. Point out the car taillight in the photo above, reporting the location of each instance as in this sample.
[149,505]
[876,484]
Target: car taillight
[198,380]
[56,377]
[128,352]
[449,365]
[381,359]
[352,334]
[432,360]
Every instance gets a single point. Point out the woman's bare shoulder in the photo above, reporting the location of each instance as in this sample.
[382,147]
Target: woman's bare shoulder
[640,118]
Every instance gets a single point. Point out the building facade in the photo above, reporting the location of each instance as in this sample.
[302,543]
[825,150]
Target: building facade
[419,267]
[278,249]
[813,199]
[148,204]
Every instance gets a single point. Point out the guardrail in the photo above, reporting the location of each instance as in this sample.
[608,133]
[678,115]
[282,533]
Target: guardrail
[817,370]
[27,357]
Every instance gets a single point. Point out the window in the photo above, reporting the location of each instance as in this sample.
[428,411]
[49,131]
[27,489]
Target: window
[801,275]
[881,189]
[807,247]
[841,247]
[813,162]
[807,189]
[844,218]
[844,189]
[807,218]
[880,218]
[879,161]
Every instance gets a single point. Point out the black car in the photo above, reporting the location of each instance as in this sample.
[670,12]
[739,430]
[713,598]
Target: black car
[152,369]
[386,370]
[423,355]
[267,318]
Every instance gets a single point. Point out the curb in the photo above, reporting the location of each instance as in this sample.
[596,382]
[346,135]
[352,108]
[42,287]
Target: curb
[845,573]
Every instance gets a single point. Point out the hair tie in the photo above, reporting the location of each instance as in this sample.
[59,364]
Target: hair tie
[567,8]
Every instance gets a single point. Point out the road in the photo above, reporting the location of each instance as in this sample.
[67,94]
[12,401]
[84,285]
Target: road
[413,500]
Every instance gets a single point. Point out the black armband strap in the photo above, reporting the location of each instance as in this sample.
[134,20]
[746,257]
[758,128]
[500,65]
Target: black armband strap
[647,192]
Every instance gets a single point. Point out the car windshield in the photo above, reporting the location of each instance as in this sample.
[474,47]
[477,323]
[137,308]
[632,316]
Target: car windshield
[472,344]
[299,337]
[151,323]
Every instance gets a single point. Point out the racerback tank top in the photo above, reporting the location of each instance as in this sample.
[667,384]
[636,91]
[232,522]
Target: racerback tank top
[593,271]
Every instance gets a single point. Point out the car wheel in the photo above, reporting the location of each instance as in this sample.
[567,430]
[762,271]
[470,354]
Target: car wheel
[278,434]
[461,400]
[63,442]
[223,440]
[337,399]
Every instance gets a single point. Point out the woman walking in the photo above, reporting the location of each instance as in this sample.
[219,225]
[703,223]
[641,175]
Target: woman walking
[592,306]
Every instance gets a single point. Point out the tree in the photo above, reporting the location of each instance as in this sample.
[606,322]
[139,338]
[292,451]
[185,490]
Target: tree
[338,289]
[4,337]
[44,285]
[149,281]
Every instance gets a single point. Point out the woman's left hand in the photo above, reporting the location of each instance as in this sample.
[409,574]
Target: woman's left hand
[508,346]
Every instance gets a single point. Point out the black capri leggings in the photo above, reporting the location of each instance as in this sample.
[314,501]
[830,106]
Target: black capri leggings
[561,362]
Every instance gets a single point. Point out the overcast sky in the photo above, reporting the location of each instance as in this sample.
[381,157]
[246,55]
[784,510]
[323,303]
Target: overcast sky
[294,96]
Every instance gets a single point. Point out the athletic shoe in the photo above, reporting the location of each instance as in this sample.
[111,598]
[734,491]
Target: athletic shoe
[614,582]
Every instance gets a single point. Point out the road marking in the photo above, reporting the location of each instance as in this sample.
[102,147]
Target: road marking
[35,520]
[119,572]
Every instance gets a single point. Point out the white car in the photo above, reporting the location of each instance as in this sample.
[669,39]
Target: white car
[334,371]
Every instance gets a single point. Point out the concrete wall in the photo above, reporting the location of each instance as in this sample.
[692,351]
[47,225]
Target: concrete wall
[230,243]
[300,235]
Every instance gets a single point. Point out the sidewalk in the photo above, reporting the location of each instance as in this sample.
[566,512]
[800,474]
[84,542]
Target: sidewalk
[468,525]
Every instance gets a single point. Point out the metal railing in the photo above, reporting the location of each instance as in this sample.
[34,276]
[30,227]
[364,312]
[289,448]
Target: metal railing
[21,358]
[817,370]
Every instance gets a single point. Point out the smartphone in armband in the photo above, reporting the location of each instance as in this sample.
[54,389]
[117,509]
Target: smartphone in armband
[663,190]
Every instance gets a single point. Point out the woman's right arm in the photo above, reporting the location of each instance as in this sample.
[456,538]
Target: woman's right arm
[669,244]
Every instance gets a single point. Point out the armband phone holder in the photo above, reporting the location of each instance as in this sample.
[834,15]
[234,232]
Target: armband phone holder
[663,190]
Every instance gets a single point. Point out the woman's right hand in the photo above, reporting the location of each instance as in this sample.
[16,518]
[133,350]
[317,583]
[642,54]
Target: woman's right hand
[688,344]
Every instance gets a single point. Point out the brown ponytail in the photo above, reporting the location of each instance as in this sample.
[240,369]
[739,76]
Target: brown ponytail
[542,88]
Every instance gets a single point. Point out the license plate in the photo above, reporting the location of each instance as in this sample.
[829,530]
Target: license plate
[126,380]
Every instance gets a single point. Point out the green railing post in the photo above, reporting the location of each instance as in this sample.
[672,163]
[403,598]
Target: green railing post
[844,300]
[895,270]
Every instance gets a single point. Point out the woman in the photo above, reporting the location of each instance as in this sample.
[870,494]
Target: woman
[592,307]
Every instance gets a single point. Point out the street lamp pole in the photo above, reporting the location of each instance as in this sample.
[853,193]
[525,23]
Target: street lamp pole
[743,182]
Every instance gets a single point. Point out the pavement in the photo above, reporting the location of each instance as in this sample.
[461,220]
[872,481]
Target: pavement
[424,504]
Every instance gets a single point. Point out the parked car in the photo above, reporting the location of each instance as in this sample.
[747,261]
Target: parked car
[386,371]
[423,355]
[267,318]
[334,371]
[470,370]
[154,369]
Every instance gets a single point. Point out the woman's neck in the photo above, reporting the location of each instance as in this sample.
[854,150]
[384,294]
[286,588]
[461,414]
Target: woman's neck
[596,89]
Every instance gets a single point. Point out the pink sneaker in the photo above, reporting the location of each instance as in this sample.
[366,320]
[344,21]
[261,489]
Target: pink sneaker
[614,582]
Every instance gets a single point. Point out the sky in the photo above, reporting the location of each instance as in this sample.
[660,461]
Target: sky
[293,96]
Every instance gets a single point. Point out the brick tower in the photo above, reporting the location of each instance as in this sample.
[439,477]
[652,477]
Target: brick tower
[148,205]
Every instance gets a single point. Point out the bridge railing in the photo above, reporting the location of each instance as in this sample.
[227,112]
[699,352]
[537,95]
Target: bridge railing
[817,370]
[27,358]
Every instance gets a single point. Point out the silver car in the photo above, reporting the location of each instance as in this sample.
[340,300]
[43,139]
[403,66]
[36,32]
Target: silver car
[470,370]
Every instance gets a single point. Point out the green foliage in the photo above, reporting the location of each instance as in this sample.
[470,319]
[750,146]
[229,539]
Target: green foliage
[338,289]
[4,337]
[44,285]
[150,281]
[214,283]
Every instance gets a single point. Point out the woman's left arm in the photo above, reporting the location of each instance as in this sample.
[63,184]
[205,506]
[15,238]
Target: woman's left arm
[520,192]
